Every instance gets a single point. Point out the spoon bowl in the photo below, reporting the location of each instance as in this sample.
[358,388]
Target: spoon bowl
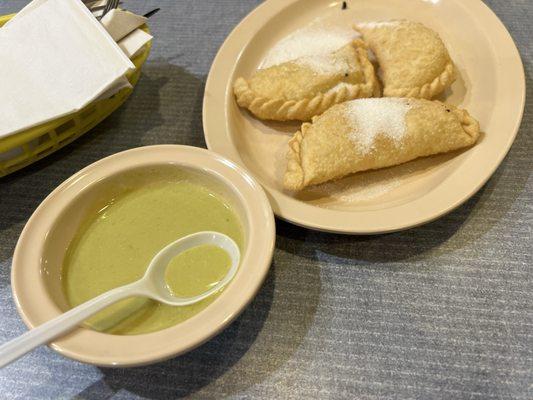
[153,281]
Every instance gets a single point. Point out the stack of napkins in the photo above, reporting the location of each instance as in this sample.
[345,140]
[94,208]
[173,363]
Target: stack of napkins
[123,26]
[57,58]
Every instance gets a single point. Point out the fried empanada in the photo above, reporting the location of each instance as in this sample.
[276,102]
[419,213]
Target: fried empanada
[368,134]
[412,58]
[308,86]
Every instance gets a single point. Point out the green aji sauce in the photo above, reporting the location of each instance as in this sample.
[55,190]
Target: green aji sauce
[115,246]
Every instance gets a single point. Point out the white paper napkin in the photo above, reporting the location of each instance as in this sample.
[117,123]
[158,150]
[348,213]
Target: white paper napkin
[123,27]
[120,23]
[132,44]
[56,58]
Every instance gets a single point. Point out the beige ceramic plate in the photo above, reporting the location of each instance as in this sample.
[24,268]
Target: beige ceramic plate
[40,250]
[491,86]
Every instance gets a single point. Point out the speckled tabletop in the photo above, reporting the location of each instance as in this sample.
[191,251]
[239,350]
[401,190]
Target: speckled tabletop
[441,311]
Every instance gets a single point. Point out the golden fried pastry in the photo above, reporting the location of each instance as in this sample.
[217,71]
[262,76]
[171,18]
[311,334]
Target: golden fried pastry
[368,134]
[308,86]
[413,59]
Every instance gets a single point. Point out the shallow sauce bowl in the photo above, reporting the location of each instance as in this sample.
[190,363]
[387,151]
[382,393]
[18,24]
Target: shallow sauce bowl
[36,271]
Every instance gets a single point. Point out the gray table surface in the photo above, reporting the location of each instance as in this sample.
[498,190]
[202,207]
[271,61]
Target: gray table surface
[441,311]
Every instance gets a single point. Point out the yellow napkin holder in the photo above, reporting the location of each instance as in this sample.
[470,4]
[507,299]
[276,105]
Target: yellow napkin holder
[26,147]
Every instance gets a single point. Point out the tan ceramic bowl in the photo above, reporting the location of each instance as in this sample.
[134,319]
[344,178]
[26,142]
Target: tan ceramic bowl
[42,244]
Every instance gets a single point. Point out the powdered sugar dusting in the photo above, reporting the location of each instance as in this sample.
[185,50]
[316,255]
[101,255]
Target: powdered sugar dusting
[360,191]
[372,117]
[324,64]
[317,38]
[378,24]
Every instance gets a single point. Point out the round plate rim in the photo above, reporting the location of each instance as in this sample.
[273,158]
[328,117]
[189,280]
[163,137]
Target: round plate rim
[284,206]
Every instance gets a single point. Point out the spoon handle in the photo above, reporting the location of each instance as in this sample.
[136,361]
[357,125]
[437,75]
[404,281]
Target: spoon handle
[62,324]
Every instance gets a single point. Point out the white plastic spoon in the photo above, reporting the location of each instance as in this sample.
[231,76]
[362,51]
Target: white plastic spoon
[151,285]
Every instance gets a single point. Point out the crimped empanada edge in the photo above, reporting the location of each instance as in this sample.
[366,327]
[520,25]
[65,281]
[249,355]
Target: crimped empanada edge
[280,109]
[469,124]
[428,90]
[294,178]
